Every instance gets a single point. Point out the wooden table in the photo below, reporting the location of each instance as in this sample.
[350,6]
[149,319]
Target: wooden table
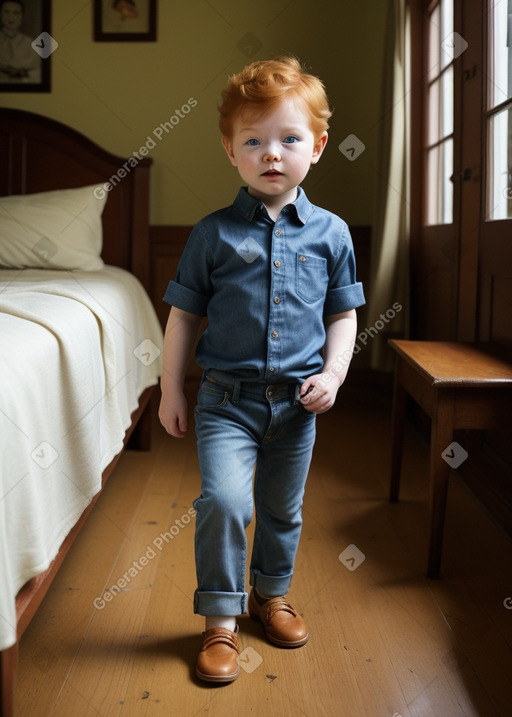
[459,386]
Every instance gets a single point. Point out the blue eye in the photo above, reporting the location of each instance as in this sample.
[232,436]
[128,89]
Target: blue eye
[290,139]
[253,142]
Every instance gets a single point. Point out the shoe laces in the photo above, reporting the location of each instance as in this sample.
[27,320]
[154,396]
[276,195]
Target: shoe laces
[277,604]
[220,635]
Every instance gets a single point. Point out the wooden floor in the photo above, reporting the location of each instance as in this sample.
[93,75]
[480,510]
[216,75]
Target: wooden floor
[385,641]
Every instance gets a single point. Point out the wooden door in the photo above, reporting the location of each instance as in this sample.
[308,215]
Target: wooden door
[495,246]
[435,191]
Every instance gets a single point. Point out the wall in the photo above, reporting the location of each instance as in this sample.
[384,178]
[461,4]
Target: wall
[119,93]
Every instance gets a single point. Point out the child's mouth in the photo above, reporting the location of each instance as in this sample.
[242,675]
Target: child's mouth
[271,173]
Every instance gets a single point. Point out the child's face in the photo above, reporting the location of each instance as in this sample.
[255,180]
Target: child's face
[273,151]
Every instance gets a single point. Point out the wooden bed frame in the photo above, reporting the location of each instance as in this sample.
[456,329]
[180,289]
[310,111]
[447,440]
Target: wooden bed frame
[38,154]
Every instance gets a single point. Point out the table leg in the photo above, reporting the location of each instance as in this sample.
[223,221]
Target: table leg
[397,436]
[441,437]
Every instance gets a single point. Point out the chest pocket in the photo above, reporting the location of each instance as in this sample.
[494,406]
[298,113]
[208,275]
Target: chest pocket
[312,277]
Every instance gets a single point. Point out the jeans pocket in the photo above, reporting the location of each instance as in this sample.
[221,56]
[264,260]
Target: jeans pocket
[212,395]
[303,409]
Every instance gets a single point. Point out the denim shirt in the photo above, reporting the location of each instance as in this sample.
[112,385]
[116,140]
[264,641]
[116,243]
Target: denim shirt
[266,287]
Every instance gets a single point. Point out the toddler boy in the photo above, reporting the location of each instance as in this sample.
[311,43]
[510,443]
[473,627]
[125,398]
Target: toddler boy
[275,275]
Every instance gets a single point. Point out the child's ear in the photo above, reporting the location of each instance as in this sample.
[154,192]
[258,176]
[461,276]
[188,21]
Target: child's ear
[319,147]
[226,143]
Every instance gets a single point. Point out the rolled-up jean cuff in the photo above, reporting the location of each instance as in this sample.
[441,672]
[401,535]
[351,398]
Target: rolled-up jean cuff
[268,585]
[220,603]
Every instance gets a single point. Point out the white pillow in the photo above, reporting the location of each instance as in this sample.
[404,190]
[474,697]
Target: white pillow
[53,230]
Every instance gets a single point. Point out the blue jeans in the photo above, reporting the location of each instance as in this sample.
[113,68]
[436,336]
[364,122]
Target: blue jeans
[240,425]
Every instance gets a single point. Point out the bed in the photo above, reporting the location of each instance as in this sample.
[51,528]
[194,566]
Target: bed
[80,347]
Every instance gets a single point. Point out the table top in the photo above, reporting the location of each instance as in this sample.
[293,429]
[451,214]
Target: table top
[450,363]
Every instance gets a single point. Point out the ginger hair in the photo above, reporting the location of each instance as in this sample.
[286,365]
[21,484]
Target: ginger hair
[266,83]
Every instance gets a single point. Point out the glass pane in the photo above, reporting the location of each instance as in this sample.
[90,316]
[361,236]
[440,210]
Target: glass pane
[439,185]
[499,171]
[446,182]
[447,102]
[434,43]
[440,107]
[501,52]
[434,102]
[440,115]
[432,186]
[446,29]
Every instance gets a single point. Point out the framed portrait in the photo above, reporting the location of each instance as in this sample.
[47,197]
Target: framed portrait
[125,20]
[26,45]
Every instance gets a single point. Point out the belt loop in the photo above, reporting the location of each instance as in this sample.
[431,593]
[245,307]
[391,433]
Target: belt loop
[236,391]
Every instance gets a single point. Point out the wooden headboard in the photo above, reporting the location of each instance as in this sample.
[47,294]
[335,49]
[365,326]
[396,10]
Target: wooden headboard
[38,154]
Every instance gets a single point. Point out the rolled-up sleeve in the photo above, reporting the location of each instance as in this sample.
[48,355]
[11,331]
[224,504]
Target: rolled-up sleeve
[344,292]
[186,299]
[190,290]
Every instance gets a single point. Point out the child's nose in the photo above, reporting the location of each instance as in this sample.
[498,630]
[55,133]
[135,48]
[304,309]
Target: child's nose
[272,154]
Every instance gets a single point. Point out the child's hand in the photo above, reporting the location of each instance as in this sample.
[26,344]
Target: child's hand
[317,395]
[173,413]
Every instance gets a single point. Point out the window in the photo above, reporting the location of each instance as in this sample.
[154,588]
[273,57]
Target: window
[499,111]
[461,177]
[444,46]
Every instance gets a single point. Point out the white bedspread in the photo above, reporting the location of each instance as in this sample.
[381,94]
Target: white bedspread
[77,349]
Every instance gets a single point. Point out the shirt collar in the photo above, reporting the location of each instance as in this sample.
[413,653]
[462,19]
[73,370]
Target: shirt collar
[247,205]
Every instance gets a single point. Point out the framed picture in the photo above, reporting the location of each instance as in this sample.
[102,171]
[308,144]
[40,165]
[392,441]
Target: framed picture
[125,20]
[26,45]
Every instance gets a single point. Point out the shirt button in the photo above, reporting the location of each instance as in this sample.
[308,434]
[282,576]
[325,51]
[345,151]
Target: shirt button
[278,232]
[277,300]
[274,334]
[302,258]
[271,368]
[277,262]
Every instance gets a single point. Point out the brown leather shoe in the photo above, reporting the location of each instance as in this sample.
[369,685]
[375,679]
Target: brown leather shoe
[218,660]
[283,625]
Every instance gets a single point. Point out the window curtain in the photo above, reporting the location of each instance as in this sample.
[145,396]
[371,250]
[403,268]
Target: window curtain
[388,309]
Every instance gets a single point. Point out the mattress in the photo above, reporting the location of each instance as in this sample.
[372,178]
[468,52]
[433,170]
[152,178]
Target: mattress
[77,349]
